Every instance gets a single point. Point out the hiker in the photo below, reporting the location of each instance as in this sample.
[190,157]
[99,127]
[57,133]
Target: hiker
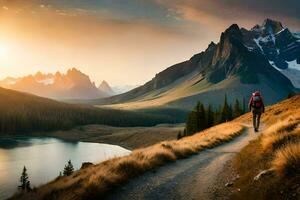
[256,105]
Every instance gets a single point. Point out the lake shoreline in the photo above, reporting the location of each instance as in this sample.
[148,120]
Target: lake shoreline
[45,158]
[127,137]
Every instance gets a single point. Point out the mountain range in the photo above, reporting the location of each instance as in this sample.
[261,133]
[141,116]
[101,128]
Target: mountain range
[265,58]
[72,85]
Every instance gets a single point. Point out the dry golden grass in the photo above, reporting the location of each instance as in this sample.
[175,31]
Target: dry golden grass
[93,182]
[280,134]
[278,148]
[282,139]
[287,160]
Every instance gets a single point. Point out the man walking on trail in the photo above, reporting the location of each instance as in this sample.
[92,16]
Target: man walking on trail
[256,105]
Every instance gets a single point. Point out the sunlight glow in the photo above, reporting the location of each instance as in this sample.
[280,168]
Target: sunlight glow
[3,50]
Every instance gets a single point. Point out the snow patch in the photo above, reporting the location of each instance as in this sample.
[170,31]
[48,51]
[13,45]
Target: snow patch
[48,81]
[273,64]
[257,43]
[278,51]
[294,65]
[280,31]
[249,48]
[292,72]
[273,38]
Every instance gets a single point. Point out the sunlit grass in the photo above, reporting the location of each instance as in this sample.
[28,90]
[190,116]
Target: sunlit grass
[93,182]
[276,150]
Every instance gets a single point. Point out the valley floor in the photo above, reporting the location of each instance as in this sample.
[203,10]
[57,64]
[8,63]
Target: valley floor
[196,177]
[129,137]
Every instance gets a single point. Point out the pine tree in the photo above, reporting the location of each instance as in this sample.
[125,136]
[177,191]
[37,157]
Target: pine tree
[237,111]
[179,135]
[69,169]
[225,113]
[209,116]
[217,115]
[200,116]
[24,180]
[191,124]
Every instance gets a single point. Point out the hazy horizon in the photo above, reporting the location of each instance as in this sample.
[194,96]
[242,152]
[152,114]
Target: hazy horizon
[113,41]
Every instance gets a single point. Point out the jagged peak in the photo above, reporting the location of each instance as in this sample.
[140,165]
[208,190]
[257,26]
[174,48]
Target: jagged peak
[105,87]
[211,45]
[104,83]
[57,74]
[39,73]
[256,27]
[232,31]
[74,70]
[272,25]
[233,28]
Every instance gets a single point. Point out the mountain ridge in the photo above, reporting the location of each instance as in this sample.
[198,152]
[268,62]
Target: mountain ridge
[241,61]
[72,85]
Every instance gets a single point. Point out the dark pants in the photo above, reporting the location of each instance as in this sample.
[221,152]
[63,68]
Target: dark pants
[256,117]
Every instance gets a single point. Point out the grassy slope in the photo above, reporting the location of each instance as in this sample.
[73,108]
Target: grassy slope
[194,88]
[93,182]
[277,150]
[21,112]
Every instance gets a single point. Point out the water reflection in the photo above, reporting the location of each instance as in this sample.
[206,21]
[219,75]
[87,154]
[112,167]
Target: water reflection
[45,158]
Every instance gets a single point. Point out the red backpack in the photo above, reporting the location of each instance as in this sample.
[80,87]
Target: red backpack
[257,100]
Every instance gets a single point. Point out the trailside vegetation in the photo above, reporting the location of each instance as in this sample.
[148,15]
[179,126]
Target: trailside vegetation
[96,181]
[24,180]
[274,168]
[202,117]
[69,169]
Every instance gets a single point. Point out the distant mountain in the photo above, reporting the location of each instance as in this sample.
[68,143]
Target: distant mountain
[105,88]
[265,58]
[72,85]
[124,88]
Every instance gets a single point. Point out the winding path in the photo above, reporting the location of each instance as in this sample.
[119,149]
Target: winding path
[191,178]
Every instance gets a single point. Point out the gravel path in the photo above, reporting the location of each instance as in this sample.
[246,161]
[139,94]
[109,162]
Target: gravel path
[192,178]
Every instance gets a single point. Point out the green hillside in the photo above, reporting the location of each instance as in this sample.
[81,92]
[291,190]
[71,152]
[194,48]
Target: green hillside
[21,112]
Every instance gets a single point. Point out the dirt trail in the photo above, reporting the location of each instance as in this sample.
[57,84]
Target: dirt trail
[191,178]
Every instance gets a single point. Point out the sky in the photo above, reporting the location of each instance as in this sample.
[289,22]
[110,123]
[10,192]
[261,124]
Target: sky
[125,42]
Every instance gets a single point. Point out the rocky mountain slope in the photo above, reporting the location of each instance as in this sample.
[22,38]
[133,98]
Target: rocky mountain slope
[265,58]
[72,85]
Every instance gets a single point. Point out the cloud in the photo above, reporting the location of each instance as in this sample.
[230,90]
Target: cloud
[221,13]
